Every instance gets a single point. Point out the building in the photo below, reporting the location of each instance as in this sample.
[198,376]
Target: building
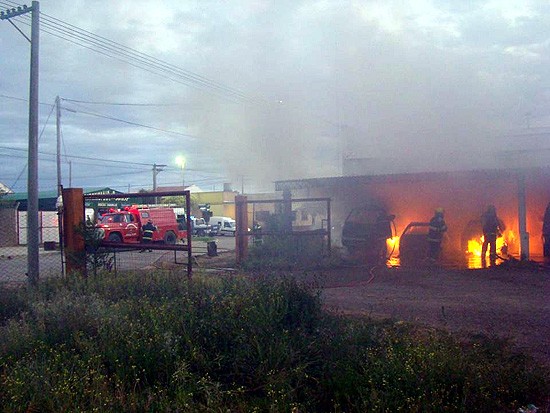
[520,196]
[222,203]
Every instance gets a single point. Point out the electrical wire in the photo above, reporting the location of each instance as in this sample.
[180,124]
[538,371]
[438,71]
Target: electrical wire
[38,141]
[119,103]
[185,135]
[81,37]
[102,45]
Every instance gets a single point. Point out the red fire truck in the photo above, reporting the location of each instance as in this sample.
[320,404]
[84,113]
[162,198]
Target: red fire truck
[125,226]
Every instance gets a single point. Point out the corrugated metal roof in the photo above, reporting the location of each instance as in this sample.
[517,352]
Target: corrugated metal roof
[402,177]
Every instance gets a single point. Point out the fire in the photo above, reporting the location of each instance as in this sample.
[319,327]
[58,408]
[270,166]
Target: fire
[392,245]
[475,245]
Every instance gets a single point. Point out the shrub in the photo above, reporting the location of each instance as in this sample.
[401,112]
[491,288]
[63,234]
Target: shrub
[162,343]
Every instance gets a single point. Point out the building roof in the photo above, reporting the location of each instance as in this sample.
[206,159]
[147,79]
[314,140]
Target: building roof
[401,177]
[190,188]
[22,196]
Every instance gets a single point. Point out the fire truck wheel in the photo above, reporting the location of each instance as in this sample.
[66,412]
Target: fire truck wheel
[170,238]
[115,238]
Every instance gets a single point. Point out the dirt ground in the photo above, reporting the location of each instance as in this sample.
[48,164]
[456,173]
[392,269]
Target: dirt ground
[505,301]
[512,303]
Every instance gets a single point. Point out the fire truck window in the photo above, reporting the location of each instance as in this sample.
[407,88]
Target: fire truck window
[106,219]
[145,214]
[118,218]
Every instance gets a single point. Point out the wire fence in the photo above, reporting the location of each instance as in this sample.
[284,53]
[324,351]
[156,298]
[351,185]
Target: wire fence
[286,232]
[138,231]
[13,244]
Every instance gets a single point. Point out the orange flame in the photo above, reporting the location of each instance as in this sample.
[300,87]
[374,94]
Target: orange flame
[475,246]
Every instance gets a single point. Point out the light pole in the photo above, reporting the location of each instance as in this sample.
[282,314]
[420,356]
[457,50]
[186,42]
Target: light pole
[180,161]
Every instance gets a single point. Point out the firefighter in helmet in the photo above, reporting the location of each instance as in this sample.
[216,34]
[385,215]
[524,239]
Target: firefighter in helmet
[492,227]
[435,234]
[148,230]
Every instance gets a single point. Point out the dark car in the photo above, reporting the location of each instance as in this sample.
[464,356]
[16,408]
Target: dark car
[365,232]
[413,244]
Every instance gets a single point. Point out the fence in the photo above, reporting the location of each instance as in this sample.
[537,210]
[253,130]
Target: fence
[122,245]
[13,244]
[283,232]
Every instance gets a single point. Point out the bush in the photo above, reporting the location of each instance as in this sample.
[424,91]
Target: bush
[162,343]
[286,252]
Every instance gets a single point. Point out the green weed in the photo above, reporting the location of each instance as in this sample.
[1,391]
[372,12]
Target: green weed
[162,343]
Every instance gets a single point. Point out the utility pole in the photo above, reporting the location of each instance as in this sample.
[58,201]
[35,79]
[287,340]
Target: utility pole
[59,184]
[58,155]
[32,180]
[70,174]
[156,170]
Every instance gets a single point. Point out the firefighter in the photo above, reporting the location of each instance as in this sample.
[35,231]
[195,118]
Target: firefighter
[257,231]
[492,227]
[148,230]
[546,234]
[435,234]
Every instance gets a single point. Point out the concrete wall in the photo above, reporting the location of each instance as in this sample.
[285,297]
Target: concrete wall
[8,225]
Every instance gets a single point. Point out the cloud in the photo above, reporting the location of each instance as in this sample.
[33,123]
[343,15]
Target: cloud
[368,78]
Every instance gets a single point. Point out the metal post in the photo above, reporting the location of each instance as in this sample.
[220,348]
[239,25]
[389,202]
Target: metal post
[156,170]
[58,134]
[329,227]
[189,235]
[32,184]
[154,177]
[522,220]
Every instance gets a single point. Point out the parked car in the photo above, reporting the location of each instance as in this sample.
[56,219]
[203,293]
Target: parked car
[200,228]
[226,225]
[365,232]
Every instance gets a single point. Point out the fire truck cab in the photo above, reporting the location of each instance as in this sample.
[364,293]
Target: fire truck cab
[125,226]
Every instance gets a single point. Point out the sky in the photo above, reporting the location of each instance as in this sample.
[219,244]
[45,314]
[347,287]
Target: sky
[251,92]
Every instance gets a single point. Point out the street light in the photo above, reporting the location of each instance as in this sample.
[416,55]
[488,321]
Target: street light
[180,161]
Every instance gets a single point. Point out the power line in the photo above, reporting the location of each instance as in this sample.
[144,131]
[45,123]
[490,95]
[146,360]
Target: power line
[149,165]
[120,104]
[82,157]
[131,123]
[113,49]
[102,45]
[40,136]
[110,117]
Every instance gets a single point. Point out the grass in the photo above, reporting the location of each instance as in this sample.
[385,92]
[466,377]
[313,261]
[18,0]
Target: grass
[160,343]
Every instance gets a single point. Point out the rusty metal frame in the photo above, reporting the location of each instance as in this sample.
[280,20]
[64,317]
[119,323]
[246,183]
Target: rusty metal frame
[324,232]
[188,247]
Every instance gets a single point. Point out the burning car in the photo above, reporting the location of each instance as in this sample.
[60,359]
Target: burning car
[365,232]
[413,243]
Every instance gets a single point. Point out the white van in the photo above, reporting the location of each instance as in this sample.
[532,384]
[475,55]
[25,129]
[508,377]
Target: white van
[226,225]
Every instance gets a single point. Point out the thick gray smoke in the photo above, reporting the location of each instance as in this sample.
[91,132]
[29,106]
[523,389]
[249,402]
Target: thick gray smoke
[421,81]
[370,80]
